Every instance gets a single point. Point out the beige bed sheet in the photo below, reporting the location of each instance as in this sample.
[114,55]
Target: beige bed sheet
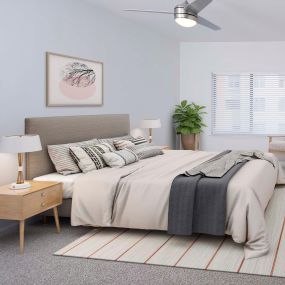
[136,196]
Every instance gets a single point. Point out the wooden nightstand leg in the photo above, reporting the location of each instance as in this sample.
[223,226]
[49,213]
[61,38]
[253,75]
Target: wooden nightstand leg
[55,213]
[22,235]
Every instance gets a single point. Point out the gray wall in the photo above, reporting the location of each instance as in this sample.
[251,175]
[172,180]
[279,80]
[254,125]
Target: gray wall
[199,60]
[141,68]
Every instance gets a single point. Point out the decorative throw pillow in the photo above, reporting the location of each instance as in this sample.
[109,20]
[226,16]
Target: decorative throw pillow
[121,144]
[146,151]
[120,158]
[111,140]
[139,140]
[63,162]
[90,158]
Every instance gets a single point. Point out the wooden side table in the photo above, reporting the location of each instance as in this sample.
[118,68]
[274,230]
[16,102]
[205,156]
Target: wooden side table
[166,147]
[20,205]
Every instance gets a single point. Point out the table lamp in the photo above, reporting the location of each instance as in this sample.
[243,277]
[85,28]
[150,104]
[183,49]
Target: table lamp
[150,124]
[20,144]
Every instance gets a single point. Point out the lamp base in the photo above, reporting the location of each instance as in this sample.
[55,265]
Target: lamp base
[15,186]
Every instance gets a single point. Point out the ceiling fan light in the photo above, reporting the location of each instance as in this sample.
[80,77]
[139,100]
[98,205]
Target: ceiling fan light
[186,22]
[183,17]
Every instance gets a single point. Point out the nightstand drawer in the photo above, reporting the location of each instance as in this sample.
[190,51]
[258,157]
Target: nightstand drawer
[41,201]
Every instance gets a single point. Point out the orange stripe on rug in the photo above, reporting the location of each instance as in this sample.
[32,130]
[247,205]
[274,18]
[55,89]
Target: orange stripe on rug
[107,242]
[140,239]
[240,266]
[277,249]
[215,253]
[100,230]
[189,247]
[159,248]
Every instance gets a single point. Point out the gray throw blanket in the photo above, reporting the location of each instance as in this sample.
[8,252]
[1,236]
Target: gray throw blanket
[222,163]
[197,203]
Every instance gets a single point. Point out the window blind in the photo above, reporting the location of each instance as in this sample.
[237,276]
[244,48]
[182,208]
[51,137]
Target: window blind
[248,103]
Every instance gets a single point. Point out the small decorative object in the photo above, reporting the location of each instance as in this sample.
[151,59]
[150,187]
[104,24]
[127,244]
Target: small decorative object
[20,144]
[150,124]
[189,123]
[73,81]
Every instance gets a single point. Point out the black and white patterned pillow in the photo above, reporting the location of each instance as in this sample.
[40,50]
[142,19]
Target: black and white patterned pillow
[90,158]
[60,156]
[120,158]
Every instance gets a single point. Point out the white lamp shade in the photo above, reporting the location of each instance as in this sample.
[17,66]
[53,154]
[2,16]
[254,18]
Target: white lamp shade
[151,124]
[20,144]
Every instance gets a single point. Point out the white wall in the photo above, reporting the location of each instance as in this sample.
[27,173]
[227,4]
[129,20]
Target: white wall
[141,68]
[199,60]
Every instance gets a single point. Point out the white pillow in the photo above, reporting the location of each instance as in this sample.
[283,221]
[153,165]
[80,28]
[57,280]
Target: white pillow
[120,158]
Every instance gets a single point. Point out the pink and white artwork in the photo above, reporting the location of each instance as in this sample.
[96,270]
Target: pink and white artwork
[73,81]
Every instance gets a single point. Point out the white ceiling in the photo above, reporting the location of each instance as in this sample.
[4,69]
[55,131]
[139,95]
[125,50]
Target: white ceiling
[241,20]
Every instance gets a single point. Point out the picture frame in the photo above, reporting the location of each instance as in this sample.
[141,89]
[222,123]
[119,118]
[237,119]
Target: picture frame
[73,81]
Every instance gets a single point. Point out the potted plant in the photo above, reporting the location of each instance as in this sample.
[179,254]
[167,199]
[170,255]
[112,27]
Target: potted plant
[189,123]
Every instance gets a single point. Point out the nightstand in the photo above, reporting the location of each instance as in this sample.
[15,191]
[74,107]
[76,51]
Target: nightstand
[165,147]
[20,205]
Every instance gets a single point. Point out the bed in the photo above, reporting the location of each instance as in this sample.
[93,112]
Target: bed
[136,196]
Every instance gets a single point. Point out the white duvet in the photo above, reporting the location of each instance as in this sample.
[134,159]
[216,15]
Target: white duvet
[136,196]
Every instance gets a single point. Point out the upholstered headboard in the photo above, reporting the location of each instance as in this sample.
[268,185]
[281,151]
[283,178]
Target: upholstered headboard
[59,130]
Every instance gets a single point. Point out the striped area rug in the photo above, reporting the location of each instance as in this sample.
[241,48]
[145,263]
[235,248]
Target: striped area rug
[199,252]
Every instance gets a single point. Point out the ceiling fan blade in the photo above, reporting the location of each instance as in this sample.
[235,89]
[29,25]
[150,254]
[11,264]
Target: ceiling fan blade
[198,5]
[202,21]
[148,11]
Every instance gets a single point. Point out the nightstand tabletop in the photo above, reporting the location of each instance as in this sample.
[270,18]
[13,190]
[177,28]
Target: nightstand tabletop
[166,147]
[35,186]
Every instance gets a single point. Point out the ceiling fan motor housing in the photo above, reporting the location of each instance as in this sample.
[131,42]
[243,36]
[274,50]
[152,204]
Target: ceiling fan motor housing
[186,14]
[183,11]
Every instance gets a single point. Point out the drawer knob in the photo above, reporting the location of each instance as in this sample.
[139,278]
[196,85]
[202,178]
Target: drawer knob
[43,194]
[43,205]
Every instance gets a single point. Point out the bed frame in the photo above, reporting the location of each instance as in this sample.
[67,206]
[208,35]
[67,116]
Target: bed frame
[60,130]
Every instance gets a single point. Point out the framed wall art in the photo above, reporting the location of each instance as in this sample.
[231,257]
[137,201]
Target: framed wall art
[72,81]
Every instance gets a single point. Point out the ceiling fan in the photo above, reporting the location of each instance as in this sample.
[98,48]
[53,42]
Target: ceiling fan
[186,14]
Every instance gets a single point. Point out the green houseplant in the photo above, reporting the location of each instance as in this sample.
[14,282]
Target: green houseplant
[189,123]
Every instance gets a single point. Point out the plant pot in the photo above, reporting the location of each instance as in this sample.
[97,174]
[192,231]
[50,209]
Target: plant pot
[190,142]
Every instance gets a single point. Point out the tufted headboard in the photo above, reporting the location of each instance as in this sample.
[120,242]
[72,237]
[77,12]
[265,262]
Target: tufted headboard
[60,130]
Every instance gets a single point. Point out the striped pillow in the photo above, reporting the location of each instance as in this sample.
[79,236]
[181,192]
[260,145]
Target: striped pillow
[60,157]
[146,151]
[120,158]
[138,140]
[121,144]
[90,158]
[111,140]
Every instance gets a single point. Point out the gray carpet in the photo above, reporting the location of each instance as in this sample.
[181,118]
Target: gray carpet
[39,266]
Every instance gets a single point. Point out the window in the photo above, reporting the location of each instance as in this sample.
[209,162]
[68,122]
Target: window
[248,103]
[282,81]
